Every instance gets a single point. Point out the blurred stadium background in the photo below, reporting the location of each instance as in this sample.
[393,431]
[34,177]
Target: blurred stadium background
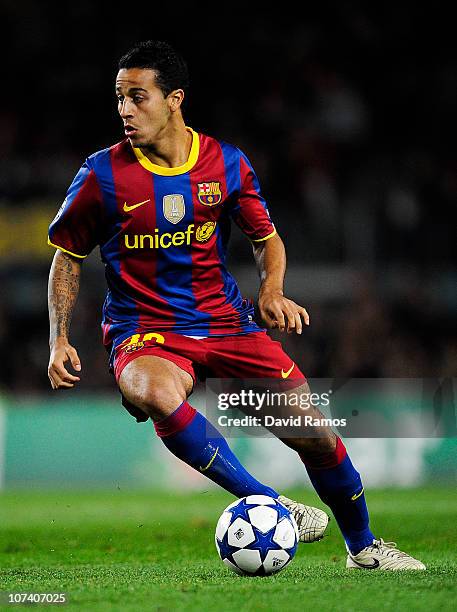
[348,116]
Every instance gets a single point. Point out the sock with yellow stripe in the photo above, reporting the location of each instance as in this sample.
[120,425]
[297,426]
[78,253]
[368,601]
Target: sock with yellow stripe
[192,438]
[338,484]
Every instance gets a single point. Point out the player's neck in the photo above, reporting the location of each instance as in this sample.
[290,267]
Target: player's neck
[172,147]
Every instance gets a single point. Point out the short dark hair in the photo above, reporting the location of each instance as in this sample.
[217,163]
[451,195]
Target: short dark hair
[169,66]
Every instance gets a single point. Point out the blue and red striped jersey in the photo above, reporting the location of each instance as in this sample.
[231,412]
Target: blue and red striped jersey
[163,235]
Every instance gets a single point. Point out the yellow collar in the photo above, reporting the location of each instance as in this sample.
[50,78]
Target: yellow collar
[163,170]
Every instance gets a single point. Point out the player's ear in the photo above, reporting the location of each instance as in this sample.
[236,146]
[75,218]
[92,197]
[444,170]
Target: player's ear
[175,99]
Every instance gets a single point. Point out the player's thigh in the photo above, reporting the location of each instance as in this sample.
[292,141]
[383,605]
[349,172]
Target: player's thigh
[253,355]
[155,385]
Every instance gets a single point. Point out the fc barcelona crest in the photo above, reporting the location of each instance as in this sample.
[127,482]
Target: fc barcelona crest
[209,194]
[174,207]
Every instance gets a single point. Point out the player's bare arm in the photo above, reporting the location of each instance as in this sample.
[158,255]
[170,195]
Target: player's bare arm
[276,310]
[63,291]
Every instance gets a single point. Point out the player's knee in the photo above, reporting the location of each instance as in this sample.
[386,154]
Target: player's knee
[157,400]
[156,397]
[154,388]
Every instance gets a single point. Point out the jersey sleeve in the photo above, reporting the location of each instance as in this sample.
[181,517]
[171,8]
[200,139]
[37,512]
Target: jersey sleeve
[250,212]
[76,227]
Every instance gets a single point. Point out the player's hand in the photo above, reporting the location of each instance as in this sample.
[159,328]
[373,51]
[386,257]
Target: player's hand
[61,353]
[279,312]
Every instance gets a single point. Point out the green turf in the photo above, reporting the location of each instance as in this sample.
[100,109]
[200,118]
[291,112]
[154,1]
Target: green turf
[146,551]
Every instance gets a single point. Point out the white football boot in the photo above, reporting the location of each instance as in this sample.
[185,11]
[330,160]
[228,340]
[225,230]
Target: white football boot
[383,556]
[311,522]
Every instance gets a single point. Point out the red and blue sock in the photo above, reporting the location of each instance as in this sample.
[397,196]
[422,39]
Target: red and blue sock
[192,438]
[338,484]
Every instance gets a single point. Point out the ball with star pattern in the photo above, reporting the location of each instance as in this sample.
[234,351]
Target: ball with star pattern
[256,536]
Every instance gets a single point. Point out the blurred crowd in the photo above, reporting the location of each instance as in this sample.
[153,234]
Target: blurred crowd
[347,115]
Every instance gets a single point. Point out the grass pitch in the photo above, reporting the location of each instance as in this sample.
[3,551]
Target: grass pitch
[126,550]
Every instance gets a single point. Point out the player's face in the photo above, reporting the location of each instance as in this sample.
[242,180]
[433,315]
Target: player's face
[142,106]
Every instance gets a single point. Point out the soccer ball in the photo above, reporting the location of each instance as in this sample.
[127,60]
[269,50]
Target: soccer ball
[256,536]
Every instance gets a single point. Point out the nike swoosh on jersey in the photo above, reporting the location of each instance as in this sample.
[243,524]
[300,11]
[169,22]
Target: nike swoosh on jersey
[203,469]
[286,374]
[129,208]
[373,565]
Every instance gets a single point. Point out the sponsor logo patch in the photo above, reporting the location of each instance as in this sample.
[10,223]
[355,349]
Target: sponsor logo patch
[205,231]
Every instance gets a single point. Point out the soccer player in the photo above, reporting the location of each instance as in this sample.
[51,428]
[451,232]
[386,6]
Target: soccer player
[159,204]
